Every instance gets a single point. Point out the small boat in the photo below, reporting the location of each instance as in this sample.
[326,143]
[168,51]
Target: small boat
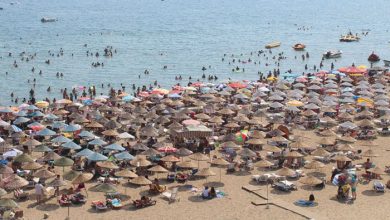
[273,45]
[349,38]
[299,46]
[332,54]
[373,58]
[45,19]
[387,62]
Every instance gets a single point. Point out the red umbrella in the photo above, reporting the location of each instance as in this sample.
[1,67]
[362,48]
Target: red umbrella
[143,94]
[197,84]
[167,149]
[191,122]
[237,85]
[351,70]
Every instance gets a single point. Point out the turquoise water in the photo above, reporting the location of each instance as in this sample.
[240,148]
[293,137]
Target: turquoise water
[189,34]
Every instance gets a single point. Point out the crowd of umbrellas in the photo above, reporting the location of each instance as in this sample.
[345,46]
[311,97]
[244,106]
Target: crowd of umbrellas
[162,130]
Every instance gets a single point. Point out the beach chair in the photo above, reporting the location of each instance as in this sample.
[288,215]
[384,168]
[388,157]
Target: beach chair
[144,202]
[378,186]
[116,204]
[78,198]
[64,200]
[171,177]
[285,186]
[171,196]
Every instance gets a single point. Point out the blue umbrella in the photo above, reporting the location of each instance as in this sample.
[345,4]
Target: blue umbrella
[114,146]
[86,134]
[97,157]
[58,124]
[46,132]
[6,110]
[21,120]
[71,128]
[128,98]
[71,145]
[21,114]
[98,142]
[51,117]
[31,108]
[15,128]
[124,156]
[174,95]
[34,124]
[84,153]
[60,139]
[37,114]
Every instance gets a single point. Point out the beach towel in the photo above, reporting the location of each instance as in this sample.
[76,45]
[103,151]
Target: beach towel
[305,203]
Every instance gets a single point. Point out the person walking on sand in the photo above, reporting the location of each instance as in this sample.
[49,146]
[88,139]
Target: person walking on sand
[39,192]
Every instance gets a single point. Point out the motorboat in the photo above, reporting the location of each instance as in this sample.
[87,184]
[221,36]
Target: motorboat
[373,58]
[299,46]
[45,19]
[273,45]
[349,38]
[387,62]
[332,54]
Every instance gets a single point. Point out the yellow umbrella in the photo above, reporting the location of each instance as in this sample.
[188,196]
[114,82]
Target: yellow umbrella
[295,103]
[42,104]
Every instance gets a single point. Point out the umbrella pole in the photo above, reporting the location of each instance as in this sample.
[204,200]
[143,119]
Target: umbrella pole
[267,207]
[220,175]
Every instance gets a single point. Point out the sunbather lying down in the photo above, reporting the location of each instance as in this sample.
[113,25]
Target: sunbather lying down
[306,203]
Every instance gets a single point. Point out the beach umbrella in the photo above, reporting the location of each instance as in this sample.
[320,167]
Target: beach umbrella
[170,158]
[97,157]
[186,164]
[98,142]
[285,172]
[8,203]
[114,147]
[326,141]
[86,134]
[107,164]
[314,165]
[23,158]
[44,174]
[216,120]
[220,162]
[31,143]
[46,132]
[2,192]
[125,173]
[246,152]
[124,156]
[71,128]
[17,183]
[255,141]
[82,178]
[294,154]
[125,135]
[84,153]
[51,156]
[71,145]
[140,180]
[341,158]
[71,175]
[205,172]
[63,162]
[377,171]
[263,164]
[32,166]
[347,139]
[150,152]
[369,153]
[139,147]
[158,169]
[167,149]
[320,152]
[272,148]
[140,162]
[183,152]
[106,188]
[230,144]
[310,180]
[110,133]
[57,183]
[42,148]
[366,143]
[345,147]
[21,120]
[94,124]
[60,139]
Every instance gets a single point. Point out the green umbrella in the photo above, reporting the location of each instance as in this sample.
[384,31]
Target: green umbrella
[8,203]
[42,148]
[63,162]
[2,192]
[71,175]
[23,158]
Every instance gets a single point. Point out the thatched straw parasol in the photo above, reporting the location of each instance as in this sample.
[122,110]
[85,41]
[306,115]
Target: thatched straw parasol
[310,180]
[170,158]
[51,156]
[23,158]
[17,183]
[82,178]
[285,172]
[126,173]
[107,164]
[140,180]
[263,164]
[44,174]
[8,203]
[320,152]
[32,166]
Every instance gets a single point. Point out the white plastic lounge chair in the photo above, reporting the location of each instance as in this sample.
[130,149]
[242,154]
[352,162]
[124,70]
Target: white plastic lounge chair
[171,196]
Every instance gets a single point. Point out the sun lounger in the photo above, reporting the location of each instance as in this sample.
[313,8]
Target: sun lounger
[171,195]
[99,205]
[19,194]
[142,203]
[285,186]
[116,204]
[78,198]
[64,200]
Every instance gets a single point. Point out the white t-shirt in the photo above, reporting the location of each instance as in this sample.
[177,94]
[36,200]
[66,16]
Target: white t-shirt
[38,189]
[205,193]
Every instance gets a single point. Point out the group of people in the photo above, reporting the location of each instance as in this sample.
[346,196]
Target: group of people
[209,193]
